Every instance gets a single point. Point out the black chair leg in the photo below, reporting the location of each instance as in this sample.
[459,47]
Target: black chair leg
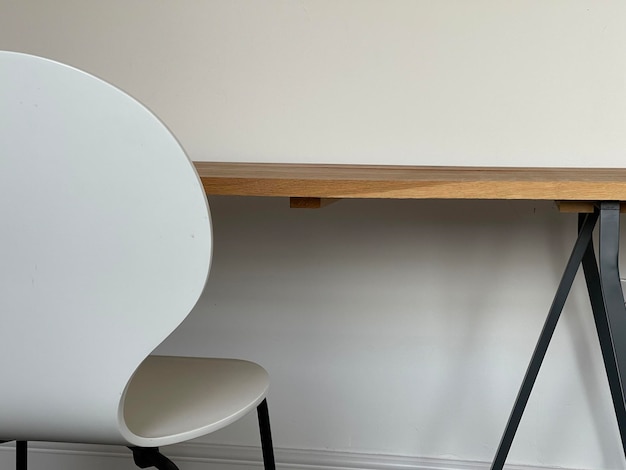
[145,457]
[266,436]
[21,455]
[151,457]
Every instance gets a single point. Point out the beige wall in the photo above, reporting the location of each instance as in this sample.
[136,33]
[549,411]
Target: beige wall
[479,82]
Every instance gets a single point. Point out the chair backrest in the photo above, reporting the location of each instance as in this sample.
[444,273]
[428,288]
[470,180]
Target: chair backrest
[105,246]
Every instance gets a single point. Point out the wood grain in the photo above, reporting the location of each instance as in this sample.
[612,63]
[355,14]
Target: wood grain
[583,207]
[309,202]
[412,182]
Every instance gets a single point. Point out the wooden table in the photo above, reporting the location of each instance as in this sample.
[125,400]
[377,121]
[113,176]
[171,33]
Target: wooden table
[313,184]
[596,194]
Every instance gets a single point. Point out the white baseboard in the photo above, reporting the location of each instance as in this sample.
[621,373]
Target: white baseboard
[210,456]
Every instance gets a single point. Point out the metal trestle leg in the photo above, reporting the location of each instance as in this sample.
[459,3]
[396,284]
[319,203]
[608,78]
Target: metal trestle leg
[609,312]
[575,259]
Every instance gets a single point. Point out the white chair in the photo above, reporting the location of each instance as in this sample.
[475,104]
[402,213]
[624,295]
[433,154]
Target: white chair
[105,247]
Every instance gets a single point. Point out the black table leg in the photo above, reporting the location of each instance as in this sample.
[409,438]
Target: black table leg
[580,247]
[607,301]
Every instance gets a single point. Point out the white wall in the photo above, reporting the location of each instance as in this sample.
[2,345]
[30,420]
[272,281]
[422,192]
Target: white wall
[405,327]
[521,82]
[389,327]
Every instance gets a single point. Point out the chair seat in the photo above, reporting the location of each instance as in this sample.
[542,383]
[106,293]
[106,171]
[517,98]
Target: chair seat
[173,399]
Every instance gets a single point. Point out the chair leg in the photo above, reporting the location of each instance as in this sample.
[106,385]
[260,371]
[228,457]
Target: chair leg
[21,455]
[266,436]
[145,457]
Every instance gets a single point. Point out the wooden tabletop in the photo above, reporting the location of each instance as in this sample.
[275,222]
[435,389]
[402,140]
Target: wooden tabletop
[412,182]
